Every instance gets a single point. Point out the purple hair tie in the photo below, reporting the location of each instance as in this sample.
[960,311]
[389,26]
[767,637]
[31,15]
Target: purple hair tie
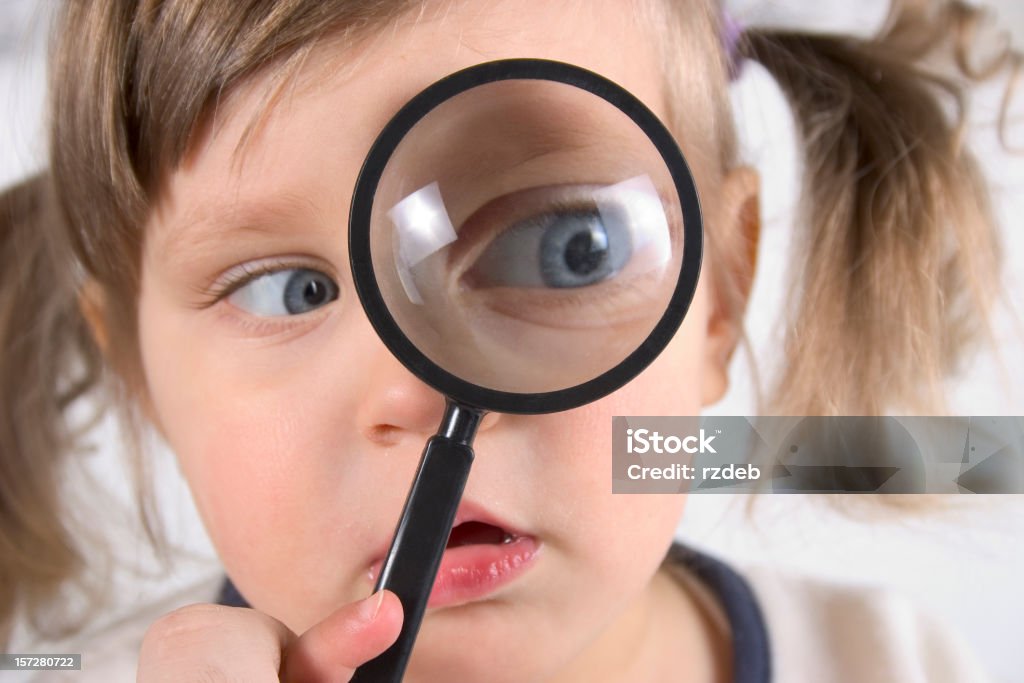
[732,32]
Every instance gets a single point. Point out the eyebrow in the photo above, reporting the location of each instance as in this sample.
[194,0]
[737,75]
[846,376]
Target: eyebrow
[209,225]
[206,226]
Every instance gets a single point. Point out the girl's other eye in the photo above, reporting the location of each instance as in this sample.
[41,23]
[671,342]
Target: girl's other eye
[291,291]
[562,249]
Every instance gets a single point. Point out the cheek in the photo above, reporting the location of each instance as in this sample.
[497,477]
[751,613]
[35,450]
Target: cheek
[634,530]
[264,441]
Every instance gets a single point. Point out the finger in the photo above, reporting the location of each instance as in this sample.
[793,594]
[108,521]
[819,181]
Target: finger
[333,649]
[212,643]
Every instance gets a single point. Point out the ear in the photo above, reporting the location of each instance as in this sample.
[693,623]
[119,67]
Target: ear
[737,226]
[92,303]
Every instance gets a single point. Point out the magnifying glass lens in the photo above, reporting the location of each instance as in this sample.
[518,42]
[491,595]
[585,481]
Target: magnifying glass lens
[526,236]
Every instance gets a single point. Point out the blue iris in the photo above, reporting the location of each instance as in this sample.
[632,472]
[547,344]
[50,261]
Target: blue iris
[560,250]
[290,291]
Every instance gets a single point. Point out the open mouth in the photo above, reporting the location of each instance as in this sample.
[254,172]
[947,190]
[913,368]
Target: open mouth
[479,559]
[478,533]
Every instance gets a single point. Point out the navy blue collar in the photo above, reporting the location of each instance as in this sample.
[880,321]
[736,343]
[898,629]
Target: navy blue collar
[751,651]
[751,648]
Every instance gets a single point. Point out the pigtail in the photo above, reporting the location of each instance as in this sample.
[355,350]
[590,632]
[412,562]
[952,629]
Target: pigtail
[899,265]
[47,361]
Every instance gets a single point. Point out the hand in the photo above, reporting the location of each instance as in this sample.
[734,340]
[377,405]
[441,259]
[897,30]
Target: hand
[212,643]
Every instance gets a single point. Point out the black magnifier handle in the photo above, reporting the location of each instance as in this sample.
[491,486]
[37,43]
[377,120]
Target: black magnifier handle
[422,534]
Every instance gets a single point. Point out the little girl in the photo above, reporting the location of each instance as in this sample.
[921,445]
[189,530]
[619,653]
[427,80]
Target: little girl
[203,158]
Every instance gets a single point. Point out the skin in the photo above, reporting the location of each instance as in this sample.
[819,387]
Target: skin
[298,435]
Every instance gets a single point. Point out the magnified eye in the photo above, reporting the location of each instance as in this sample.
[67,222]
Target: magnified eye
[291,291]
[567,248]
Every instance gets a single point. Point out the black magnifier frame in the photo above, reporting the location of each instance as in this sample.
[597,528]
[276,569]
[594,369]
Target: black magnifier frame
[422,533]
[391,334]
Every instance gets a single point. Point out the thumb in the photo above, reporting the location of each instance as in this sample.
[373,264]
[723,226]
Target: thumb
[353,635]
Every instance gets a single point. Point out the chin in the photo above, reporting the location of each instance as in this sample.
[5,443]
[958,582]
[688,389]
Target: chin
[489,641]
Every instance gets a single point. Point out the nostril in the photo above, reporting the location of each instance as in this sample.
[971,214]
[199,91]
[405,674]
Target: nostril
[384,434]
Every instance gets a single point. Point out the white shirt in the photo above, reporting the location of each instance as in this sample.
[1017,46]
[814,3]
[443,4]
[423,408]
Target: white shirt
[818,632]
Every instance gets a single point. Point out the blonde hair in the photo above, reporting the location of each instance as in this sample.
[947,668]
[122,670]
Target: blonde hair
[886,297]
[899,261]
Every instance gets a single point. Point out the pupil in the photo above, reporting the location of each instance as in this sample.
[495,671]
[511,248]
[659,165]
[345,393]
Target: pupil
[584,254]
[314,292]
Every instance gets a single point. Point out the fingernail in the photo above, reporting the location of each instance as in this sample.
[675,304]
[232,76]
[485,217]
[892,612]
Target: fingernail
[371,606]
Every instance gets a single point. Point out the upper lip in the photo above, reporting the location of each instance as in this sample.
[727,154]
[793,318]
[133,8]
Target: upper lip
[468,511]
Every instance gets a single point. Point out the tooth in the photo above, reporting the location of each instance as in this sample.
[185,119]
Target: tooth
[508,538]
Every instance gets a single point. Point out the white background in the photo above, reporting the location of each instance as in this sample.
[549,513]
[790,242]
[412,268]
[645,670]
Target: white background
[965,562]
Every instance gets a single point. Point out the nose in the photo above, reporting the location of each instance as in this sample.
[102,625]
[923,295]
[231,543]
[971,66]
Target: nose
[396,403]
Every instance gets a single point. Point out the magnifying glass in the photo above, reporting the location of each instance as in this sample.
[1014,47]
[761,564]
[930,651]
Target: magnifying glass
[525,237]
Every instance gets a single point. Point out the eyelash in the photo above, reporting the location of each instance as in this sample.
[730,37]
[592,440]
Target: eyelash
[243,274]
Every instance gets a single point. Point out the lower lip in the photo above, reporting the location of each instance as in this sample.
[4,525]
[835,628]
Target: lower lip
[472,572]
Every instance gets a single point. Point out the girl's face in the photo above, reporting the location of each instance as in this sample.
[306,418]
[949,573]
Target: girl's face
[299,434]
